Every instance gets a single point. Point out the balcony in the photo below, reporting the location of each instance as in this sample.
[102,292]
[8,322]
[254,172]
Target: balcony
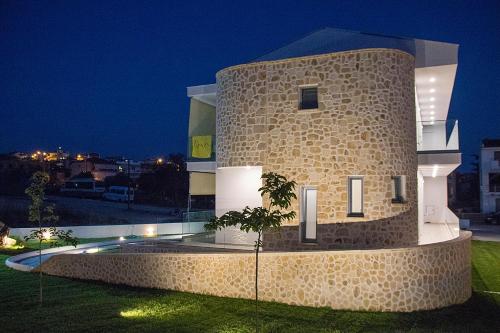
[201,148]
[437,136]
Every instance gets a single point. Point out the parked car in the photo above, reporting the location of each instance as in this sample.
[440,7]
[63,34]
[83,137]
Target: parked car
[83,188]
[493,218]
[118,193]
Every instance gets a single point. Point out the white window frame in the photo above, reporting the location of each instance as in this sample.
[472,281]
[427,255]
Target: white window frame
[402,189]
[350,213]
[303,212]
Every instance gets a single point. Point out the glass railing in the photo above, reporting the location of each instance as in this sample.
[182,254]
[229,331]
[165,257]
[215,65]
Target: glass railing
[198,216]
[438,135]
[200,149]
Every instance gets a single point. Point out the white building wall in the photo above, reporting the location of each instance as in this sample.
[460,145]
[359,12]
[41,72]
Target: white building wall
[236,188]
[435,199]
[488,165]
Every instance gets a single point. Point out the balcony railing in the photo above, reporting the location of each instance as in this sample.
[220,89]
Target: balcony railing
[439,135]
[201,150]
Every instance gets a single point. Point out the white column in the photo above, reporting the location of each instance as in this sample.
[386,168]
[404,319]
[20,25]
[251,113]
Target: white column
[236,188]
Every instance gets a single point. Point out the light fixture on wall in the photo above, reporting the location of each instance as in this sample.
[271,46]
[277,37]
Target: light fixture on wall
[434,170]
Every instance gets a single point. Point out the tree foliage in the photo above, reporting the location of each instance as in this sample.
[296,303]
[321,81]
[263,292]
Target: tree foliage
[45,218]
[167,183]
[280,192]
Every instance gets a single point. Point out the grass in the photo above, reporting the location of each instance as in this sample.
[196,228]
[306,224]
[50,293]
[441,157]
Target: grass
[76,306]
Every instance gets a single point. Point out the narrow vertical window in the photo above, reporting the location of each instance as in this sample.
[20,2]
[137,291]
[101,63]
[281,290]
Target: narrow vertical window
[308,98]
[308,207]
[398,189]
[355,196]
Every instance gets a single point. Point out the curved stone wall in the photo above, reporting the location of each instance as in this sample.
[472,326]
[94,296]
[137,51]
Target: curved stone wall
[364,125]
[404,279]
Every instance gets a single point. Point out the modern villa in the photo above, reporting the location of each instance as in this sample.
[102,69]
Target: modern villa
[358,120]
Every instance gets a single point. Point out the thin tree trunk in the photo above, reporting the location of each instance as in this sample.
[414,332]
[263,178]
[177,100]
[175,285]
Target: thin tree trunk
[40,269]
[257,283]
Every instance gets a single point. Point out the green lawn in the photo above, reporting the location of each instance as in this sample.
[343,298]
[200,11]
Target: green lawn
[72,306]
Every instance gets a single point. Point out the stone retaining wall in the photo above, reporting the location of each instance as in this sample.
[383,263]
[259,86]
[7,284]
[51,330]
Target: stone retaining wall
[404,279]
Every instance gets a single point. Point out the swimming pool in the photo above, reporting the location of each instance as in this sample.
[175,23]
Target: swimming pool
[31,260]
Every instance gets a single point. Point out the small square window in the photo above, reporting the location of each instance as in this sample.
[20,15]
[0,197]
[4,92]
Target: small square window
[398,187]
[308,98]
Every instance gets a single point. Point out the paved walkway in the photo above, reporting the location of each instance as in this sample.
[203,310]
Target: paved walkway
[485,232]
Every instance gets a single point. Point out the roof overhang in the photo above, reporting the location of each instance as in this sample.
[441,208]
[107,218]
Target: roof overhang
[205,93]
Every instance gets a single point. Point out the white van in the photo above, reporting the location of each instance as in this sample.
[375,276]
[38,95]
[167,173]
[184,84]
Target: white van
[118,193]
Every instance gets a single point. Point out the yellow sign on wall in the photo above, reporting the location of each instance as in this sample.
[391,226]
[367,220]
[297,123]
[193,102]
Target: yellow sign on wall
[201,146]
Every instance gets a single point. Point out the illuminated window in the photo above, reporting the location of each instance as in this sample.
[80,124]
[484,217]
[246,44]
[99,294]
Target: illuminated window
[308,218]
[308,98]
[355,190]
[398,187]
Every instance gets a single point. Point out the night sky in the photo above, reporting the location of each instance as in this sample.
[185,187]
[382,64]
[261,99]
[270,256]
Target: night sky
[111,76]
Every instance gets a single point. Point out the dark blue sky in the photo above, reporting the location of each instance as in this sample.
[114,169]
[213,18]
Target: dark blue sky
[110,76]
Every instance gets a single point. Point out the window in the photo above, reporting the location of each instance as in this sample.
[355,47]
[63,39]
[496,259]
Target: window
[308,219]
[496,155]
[355,190]
[398,184]
[308,98]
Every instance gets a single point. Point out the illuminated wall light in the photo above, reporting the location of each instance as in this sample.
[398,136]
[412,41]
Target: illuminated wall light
[432,79]
[432,90]
[121,238]
[93,250]
[46,235]
[432,112]
[432,123]
[434,171]
[432,106]
[432,99]
[432,118]
[150,231]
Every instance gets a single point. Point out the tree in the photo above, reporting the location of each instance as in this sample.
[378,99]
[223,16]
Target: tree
[280,192]
[167,183]
[45,218]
